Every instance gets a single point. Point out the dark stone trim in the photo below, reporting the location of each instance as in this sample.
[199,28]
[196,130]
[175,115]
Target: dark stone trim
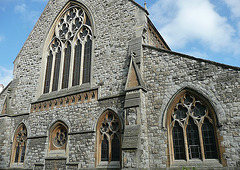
[125,149]
[82,132]
[136,88]
[17,115]
[194,58]
[39,164]
[111,97]
[36,137]
[56,158]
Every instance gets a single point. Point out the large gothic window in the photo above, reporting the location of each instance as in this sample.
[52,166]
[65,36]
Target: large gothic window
[19,146]
[191,128]
[109,139]
[69,52]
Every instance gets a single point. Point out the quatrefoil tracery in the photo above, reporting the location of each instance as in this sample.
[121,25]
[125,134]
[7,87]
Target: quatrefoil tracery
[189,106]
[110,127]
[72,22]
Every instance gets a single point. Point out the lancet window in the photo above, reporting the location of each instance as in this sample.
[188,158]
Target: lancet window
[19,145]
[191,129]
[69,52]
[108,139]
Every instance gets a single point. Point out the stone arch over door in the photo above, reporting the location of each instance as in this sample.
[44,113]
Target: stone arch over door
[192,130]
[108,140]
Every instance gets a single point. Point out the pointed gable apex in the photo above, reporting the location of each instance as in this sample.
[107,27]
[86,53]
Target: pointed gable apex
[134,78]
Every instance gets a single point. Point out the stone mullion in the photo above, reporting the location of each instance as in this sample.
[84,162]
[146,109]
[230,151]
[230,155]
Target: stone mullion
[61,67]
[172,158]
[82,60]
[186,142]
[71,64]
[110,149]
[52,72]
[201,141]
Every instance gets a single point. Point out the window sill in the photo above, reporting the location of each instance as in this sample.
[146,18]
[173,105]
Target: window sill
[106,164]
[17,165]
[56,154]
[197,163]
[65,92]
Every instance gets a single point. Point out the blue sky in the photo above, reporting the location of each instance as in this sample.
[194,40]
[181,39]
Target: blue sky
[208,29]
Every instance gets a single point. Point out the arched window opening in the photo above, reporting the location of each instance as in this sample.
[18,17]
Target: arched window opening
[209,140]
[48,72]
[58,137]
[66,67]
[70,50]
[56,70]
[87,61]
[191,128]
[19,145]
[108,139]
[193,140]
[77,64]
[178,142]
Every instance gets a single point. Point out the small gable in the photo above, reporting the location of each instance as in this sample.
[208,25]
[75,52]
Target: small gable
[134,78]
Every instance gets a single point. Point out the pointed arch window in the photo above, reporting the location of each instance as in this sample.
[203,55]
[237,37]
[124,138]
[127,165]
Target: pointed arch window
[108,140]
[19,146]
[69,53]
[191,128]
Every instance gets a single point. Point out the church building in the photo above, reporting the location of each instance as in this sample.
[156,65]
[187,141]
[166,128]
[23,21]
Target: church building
[95,86]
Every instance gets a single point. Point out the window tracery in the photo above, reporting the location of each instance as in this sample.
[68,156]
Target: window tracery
[108,138]
[58,137]
[69,53]
[191,129]
[19,145]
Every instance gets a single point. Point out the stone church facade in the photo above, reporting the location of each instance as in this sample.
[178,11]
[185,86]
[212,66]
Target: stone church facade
[96,86]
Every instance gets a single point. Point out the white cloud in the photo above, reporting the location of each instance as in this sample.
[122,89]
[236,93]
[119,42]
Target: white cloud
[193,21]
[234,6]
[20,8]
[27,14]
[6,75]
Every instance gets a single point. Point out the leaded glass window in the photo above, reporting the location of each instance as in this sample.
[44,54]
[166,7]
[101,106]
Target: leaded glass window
[19,145]
[109,138]
[66,67]
[191,128]
[58,137]
[69,52]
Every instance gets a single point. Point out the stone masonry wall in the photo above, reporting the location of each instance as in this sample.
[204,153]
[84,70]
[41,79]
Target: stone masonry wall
[166,73]
[115,24]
